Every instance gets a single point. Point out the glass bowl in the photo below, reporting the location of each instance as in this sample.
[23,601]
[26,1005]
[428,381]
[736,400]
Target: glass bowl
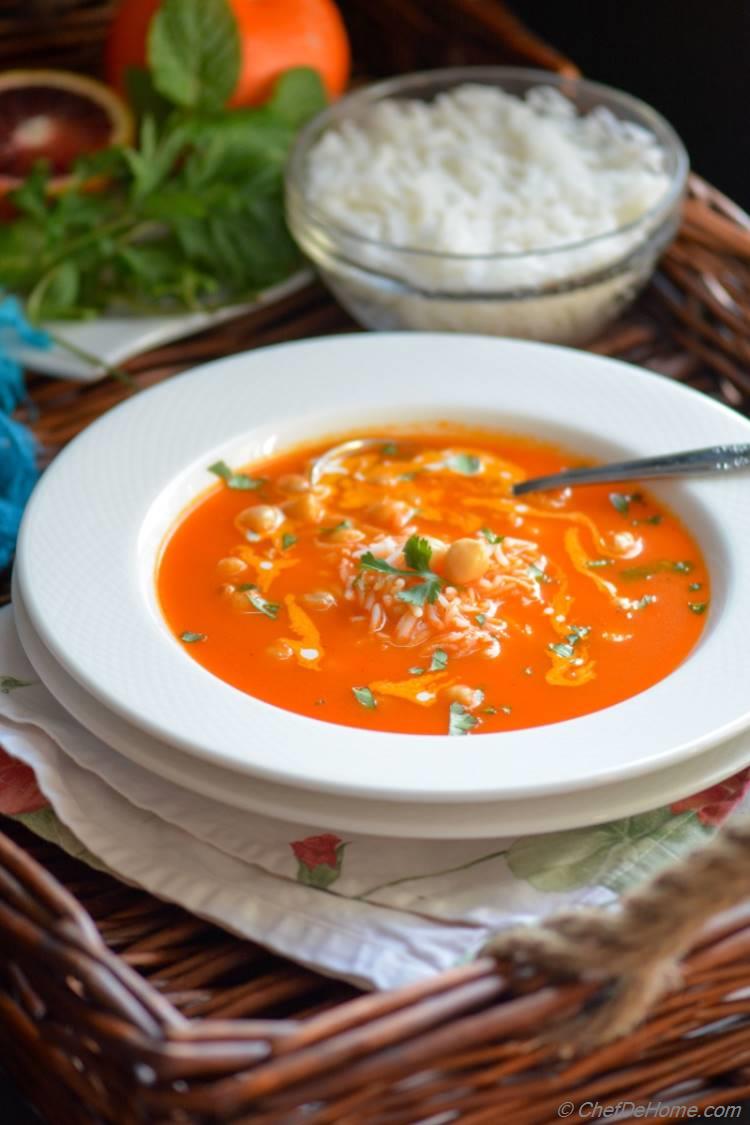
[563,294]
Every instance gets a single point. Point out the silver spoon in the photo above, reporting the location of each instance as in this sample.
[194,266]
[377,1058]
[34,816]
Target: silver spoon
[717,459]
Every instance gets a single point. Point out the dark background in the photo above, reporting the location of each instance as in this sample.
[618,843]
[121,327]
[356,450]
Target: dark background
[689,59]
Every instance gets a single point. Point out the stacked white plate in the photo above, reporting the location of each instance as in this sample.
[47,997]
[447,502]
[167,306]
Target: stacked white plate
[88,617]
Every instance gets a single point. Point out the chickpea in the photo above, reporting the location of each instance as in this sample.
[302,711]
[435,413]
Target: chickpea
[390,514]
[305,507]
[320,600]
[230,567]
[261,518]
[280,650]
[462,693]
[466,561]
[293,482]
[346,535]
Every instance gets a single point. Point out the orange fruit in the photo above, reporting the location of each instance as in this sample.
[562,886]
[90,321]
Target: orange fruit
[274,36]
[56,116]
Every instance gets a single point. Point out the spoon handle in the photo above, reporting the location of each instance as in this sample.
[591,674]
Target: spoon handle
[719,458]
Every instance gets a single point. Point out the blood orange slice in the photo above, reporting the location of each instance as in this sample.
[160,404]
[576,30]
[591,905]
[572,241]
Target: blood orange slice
[55,115]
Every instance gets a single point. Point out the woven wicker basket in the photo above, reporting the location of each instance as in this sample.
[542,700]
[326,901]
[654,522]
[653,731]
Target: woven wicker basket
[116,1008]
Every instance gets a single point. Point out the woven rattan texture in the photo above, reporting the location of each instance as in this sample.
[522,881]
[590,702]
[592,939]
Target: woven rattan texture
[118,1009]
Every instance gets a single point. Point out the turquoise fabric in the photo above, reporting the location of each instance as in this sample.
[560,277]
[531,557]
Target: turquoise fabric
[18,468]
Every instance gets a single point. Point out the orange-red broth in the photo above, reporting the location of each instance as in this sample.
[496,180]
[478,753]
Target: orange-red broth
[303,633]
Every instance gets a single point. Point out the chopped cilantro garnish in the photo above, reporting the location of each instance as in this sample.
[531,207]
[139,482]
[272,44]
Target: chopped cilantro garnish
[417,554]
[647,570]
[459,720]
[646,600]
[466,463]
[288,540]
[654,520]
[566,649]
[695,586]
[343,525]
[192,638]
[697,607]
[490,536]
[416,671]
[364,697]
[245,586]
[620,501]
[489,710]
[390,449]
[481,618]
[258,602]
[537,574]
[439,660]
[240,481]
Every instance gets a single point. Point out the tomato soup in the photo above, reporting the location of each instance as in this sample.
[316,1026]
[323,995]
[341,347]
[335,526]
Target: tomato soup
[404,589]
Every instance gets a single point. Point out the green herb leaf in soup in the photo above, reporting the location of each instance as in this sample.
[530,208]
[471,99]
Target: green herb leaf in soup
[490,536]
[239,481]
[465,463]
[192,638]
[439,660]
[698,607]
[288,540]
[365,698]
[460,721]
[259,603]
[660,566]
[620,502]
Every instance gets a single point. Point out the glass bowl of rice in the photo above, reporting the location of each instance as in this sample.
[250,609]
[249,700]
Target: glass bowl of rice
[496,200]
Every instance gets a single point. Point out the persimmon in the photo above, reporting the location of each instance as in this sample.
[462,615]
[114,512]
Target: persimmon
[274,35]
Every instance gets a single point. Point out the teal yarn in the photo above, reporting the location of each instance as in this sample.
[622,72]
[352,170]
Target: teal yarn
[18,450]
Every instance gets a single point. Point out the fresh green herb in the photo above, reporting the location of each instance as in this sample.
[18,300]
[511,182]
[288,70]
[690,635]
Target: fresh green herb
[364,697]
[646,600]
[192,638]
[390,449]
[593,564]
[439,660]
[654,520]
[647,570]
[269,609]
[698,607]
[288,540]
[245,586]
[240,481]
[415,671]
[192,214]
[490,535]
[10,683]
[489,711]
[620,501]
[481,618]
[417,554]
[695,586]
[459,720]
[466,463]
[345,524]
[537,574]
[567,648]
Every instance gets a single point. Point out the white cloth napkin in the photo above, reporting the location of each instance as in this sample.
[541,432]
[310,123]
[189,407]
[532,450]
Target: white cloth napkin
[376,912]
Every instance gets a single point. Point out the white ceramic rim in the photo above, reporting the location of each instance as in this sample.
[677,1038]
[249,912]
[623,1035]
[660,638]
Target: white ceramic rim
[393,819]
[119,485]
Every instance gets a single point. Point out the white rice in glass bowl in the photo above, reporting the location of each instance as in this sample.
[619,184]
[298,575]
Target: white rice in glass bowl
[489,200]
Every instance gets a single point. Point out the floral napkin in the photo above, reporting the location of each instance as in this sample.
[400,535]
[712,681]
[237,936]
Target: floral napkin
[377,912]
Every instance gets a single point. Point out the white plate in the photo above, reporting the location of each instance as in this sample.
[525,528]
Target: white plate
[92,531]
[490,819]
[113,339]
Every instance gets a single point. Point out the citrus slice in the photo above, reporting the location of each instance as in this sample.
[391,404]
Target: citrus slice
[57,116]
